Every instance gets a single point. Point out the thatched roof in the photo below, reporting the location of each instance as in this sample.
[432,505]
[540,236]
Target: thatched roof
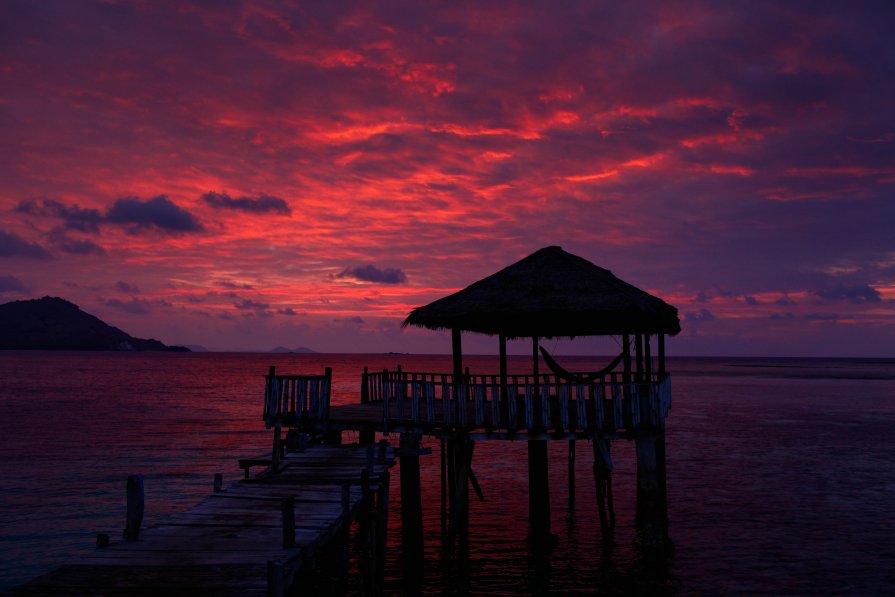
[550,293]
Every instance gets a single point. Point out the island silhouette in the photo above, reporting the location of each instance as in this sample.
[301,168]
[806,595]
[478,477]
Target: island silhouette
[53,323]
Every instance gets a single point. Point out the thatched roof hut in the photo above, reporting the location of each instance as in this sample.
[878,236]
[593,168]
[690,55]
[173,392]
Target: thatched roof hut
[550,293]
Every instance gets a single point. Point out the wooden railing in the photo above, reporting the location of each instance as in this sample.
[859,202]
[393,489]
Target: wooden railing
[289,399]
[546,403]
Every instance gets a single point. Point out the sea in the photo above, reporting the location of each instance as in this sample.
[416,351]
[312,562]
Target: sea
[781,473]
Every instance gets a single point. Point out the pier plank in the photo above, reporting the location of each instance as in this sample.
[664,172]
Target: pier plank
[222,545]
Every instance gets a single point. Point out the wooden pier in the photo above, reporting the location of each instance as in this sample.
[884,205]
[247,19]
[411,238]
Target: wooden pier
[251,537]
[256,536]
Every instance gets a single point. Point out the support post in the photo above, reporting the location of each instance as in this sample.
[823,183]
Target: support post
[457,350]
[571,474]
[218,482]
[638,355]
[287,508]
[459,523]
[444,489]
[135,506]
[538,494]
[661,355]
[651,509]
[503,369]
[411,501]
[276,451]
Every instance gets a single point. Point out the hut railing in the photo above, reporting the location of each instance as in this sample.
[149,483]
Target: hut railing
[612,402]
[291,399]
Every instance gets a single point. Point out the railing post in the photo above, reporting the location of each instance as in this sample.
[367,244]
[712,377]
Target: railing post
[364,387]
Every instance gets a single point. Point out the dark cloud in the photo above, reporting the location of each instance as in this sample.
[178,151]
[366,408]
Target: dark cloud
[73,216]
[782,317]
[260,204]
[855,295]
[371,273]
[159,213]
[751,300]
[63,242]
[137,214]
[125,287]
[253,308]
[288,311]
[12,245]
[821,317]
[136,306]
[11,284]
[784,301]
[698,316]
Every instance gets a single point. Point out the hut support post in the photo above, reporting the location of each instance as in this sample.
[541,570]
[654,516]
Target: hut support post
[444,489]
[538,494]
[651,508]
[538,475]
[600,480]
[459,523]
[411,501]
[503,369]
[660,341]
[571,474]
[638,351]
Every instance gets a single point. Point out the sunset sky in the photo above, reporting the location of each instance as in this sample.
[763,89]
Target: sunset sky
[244,174]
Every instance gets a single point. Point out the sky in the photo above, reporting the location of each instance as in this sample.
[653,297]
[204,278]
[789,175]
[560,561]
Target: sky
[246,174]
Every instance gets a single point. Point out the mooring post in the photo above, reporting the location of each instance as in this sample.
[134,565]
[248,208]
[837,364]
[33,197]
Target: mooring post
[411,500]
[135,506]
[538,493]
[218,482]
[287,507]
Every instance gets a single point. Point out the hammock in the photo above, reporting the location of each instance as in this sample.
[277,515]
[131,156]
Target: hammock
[578,377]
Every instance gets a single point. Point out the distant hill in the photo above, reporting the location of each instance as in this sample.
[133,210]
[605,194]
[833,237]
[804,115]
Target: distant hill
[52,323]
[299,350]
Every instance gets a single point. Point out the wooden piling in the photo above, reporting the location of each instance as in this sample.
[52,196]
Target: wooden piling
[459,515]
[651,509]
[135,505]
[600,486]
[287,508]
[444,488]
[411,499]
[571,474]
[538,492]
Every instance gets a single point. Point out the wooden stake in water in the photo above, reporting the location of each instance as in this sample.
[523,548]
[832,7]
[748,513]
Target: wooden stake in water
[135,505]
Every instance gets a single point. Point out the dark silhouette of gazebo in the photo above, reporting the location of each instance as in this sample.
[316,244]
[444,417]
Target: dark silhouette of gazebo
[552,293]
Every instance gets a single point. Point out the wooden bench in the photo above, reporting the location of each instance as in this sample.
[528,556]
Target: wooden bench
[247,463]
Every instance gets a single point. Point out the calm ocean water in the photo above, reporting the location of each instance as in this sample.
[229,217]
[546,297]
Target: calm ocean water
[781,472]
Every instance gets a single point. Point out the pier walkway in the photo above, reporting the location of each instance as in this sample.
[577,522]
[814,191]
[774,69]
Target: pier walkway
[251,537]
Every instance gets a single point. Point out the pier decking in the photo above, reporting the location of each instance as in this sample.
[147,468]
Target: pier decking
[250,538]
